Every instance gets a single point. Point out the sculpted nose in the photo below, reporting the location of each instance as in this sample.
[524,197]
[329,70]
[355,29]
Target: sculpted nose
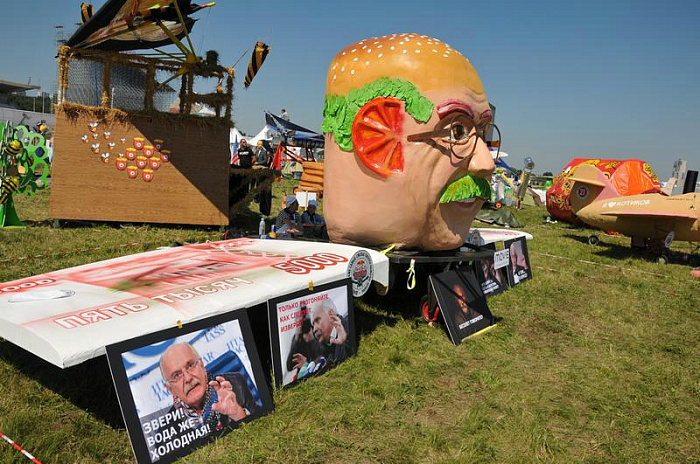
[481,163]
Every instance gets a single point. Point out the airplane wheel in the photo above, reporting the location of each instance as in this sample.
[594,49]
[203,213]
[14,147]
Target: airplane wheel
[593,240]
[662,259]
[425,310]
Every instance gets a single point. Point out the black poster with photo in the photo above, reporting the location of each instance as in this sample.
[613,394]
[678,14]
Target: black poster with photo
[492,280]
[461,301]
[311,331]
[180,388]
[519,269]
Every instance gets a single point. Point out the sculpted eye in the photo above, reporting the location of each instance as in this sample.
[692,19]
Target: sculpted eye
[458,133]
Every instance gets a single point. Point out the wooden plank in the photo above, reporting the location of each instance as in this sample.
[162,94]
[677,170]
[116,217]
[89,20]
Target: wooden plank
[312,177]
[191,189]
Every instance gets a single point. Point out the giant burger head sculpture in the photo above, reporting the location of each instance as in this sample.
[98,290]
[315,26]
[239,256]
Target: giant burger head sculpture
[406,161]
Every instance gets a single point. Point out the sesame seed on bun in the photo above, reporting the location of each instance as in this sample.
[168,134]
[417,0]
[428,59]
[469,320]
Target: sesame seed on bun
[424,61]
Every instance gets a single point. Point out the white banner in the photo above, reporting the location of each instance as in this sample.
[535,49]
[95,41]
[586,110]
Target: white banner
[501,259]
[69,316]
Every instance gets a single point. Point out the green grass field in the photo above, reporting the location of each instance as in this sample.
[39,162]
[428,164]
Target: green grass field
[597,359]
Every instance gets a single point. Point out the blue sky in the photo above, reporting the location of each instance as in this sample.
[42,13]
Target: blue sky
[616,79]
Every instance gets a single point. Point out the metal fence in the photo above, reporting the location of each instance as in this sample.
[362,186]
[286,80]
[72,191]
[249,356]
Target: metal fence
[128,86]
[26,118]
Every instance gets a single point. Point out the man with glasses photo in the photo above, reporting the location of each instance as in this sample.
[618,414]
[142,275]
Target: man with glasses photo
[217,401]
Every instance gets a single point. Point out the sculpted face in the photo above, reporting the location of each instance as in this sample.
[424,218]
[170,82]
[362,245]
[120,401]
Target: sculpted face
[185,375]
[404,164]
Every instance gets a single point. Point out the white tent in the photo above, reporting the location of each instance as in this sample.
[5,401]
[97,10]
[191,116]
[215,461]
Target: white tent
[264,134]
[235,136]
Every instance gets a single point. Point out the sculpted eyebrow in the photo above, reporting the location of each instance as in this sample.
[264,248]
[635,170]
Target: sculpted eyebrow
[453,105]
[450,106]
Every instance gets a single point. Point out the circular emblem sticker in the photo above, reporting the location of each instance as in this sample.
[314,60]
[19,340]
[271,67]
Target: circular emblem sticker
[360,271]
[582,192]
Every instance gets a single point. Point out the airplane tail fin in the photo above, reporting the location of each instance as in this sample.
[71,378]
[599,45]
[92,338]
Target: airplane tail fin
[668,188]
[590,185]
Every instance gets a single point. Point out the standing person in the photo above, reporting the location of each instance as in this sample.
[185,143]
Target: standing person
[261,155]
[288,218]
[246,158]
[284,115]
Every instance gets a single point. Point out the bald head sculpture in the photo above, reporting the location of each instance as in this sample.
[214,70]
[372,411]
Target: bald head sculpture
[406,162]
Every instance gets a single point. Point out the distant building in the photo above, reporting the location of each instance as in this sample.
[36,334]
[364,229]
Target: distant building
[7,88]
[9,112]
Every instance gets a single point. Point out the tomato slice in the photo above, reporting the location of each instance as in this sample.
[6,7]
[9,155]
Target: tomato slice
[376,135]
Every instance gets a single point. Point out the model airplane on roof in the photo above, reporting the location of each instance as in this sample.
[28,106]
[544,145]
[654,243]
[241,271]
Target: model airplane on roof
[652,215]
[135,24]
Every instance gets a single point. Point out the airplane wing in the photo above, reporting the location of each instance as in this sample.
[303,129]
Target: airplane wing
[655,214]
[132,25]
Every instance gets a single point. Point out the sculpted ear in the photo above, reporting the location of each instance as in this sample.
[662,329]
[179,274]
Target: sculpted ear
[376,135]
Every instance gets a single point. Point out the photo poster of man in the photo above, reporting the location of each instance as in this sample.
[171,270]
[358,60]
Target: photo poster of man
[181,387]
[311,331]
[492,280]
[461,301]
[519,269]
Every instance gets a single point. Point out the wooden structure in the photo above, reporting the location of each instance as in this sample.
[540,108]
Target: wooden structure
[312,177]
[122,154]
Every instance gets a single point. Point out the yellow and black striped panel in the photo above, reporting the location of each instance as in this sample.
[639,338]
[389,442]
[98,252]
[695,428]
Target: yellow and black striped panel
[7,187]
[256,60]
[85,11]
[13,149]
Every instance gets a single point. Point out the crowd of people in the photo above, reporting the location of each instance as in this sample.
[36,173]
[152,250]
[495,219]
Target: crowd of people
[260,155]
[289,222]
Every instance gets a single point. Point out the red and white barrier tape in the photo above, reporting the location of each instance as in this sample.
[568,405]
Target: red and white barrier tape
[19,448]
[608,265]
